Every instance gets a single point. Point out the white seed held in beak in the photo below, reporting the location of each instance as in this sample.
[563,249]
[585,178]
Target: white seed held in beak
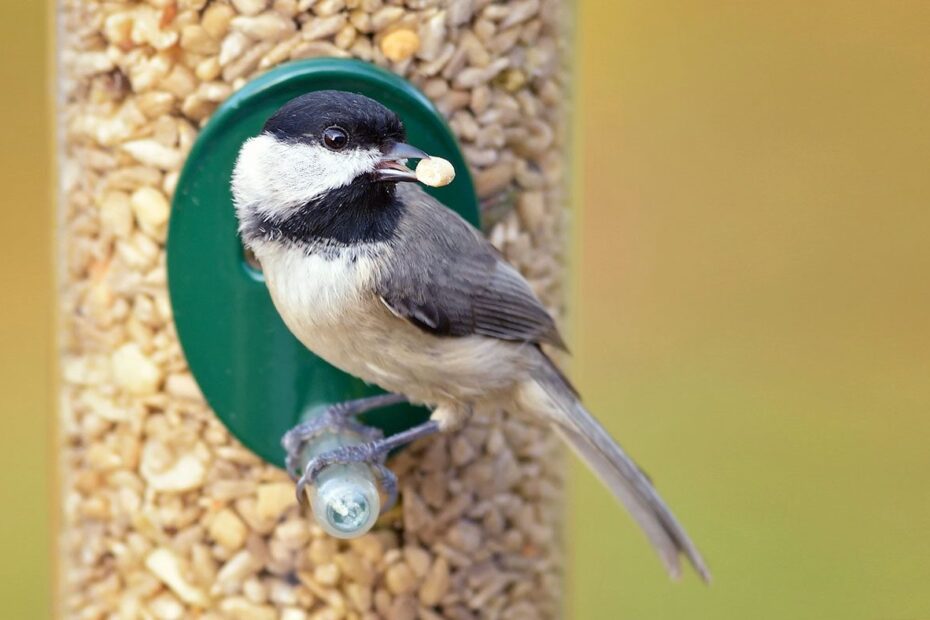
[435,172]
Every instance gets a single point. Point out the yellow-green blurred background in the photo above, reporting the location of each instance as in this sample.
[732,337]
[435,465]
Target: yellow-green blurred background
[750,313]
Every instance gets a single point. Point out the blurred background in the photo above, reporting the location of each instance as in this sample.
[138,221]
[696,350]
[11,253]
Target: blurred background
[750,303]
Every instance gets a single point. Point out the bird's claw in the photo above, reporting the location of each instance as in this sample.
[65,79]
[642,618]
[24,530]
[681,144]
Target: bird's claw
[335,418]
[372,453]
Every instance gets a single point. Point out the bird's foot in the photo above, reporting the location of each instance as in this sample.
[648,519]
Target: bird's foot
[372,453]
[335,418]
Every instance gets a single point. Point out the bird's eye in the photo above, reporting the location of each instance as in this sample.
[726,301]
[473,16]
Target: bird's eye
[335,138]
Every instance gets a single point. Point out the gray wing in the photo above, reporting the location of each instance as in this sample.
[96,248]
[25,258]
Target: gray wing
[445,278]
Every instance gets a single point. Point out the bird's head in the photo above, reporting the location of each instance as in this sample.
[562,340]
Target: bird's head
[318,157]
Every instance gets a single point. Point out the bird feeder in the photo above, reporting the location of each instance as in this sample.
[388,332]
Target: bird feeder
[179,378]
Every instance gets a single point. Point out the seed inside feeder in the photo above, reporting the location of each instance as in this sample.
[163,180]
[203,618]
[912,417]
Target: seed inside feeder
[435,172]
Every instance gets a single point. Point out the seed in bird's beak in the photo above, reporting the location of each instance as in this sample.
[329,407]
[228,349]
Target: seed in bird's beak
[435,172]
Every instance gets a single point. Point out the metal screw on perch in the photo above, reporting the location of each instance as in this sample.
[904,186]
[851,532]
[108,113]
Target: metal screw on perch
[345,499]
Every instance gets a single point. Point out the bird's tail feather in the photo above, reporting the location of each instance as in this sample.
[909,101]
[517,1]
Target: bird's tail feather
[614,467]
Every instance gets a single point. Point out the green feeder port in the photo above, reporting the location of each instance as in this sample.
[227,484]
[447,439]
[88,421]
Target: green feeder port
[253,372]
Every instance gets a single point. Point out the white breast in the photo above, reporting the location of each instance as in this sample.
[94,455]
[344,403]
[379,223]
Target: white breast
[320,290]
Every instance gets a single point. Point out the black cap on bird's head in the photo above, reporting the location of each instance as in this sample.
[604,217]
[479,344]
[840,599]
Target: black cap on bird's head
[307,117]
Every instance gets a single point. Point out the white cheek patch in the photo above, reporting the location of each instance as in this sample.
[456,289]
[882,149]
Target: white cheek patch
[274,177]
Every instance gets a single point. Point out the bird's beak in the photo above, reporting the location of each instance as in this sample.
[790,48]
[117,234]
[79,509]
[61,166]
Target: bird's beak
[391,166]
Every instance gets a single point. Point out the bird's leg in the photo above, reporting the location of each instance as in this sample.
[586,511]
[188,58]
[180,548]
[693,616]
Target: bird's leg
[340,416]
[372,452]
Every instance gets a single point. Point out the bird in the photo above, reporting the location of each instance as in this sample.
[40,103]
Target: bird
[386,283]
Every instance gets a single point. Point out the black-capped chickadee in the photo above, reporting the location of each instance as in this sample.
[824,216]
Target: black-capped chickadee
[381,280]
